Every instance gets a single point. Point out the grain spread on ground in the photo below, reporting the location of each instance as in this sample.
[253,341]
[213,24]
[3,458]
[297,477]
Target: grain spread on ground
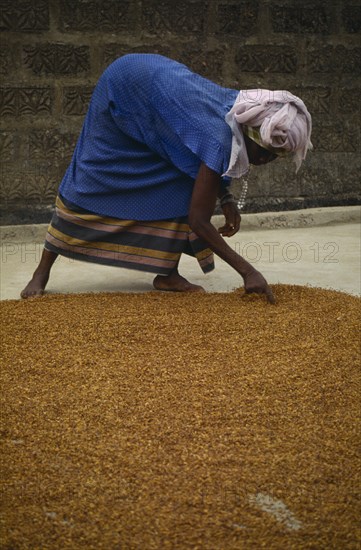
[148,421]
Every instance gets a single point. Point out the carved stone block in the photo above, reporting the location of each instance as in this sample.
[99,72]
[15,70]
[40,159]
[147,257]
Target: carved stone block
[317,100]
[175,17]
[237,18]
[7,146]
[300,19]
[351,17]
[331,59]
[50,146]
[282,179]
[76,99]
[6,61]
[96,15]
[11,184]
[269,59]
[26,101]
[41,187]
[18,183]
[335,138]
[334,178]
[349,101]
[24,15]
[348,176]
[57,59]
[315,181]
[111,52]
[276,179]
[67,147]
[206,63]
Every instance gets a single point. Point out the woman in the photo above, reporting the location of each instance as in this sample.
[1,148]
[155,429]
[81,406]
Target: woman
[159,144]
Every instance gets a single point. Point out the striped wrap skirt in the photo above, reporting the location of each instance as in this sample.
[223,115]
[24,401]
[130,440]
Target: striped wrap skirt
[153,246]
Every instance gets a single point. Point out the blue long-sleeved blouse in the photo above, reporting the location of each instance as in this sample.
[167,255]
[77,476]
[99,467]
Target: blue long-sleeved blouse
[150,123]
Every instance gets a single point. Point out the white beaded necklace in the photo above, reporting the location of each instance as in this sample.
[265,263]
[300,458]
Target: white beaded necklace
[243,193]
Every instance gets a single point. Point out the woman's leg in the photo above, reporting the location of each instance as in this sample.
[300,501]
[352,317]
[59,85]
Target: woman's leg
[175,282]
[41,275]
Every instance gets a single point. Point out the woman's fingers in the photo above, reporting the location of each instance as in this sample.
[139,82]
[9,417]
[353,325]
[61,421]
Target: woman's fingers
[232,218]
[228,230]
[231,227]
[269,295]
[255,282]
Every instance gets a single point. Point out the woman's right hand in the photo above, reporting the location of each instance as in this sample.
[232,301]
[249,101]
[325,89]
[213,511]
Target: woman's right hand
[201,209]
[255,282]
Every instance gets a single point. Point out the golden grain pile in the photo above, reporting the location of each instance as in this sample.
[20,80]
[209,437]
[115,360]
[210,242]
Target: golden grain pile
[156,421]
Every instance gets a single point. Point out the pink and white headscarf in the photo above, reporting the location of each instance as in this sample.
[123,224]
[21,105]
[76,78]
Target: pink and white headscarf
[283,122]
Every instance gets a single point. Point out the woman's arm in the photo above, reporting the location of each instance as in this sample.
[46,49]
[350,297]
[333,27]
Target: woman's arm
[202,206]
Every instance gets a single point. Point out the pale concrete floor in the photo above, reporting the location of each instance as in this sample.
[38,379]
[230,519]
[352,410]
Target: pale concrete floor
[327,257]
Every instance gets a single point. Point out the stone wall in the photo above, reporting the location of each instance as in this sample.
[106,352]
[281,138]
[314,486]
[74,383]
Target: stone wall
[52,53]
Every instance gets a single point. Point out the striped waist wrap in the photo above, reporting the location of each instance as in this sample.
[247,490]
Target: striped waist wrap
[153,246]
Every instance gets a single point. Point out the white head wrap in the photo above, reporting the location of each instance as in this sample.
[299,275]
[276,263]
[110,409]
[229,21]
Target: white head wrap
[283,121]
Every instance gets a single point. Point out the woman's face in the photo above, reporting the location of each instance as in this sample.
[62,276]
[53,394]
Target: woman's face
[257,155]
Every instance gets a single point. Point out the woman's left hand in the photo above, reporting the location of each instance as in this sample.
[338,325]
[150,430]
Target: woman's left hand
[232,219]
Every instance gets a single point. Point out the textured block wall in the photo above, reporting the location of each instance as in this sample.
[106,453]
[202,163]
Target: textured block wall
[53,51]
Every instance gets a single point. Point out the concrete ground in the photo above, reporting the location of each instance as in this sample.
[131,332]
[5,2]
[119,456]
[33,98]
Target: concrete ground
[317,247]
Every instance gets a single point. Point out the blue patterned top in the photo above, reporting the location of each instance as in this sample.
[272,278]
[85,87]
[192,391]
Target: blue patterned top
[150,123]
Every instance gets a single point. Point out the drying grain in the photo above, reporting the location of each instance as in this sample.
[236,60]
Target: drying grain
[181,421]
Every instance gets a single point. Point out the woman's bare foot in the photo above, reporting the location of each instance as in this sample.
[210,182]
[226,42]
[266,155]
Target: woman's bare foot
[175,283]
[40,278]
[36,286]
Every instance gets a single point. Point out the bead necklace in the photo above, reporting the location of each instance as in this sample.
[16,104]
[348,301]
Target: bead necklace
[243,193]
